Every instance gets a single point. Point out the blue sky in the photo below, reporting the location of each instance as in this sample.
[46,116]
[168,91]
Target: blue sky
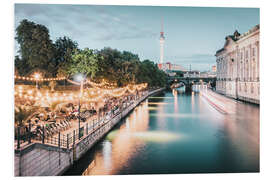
[192,34]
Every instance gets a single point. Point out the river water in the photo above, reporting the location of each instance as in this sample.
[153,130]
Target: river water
[177,133]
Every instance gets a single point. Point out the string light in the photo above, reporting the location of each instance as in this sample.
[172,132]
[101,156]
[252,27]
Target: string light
[38,78]
[90,94]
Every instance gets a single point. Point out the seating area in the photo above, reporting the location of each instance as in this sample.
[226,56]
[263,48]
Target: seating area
[51,129]
[49,121]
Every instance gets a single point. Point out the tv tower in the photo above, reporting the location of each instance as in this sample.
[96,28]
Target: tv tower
[161,41]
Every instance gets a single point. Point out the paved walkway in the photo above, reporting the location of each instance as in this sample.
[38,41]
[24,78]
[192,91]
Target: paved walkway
[222,103]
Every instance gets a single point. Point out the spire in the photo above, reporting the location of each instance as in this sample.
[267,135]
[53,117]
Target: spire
[162,32]
[161,40]
[162,24]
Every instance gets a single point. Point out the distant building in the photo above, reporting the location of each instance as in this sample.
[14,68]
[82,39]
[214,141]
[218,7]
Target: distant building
[238,72]
[198,74]
[214,68]
[171,69]
[192,74]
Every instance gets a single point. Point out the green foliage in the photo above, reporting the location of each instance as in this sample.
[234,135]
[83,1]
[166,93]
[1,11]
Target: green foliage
[64,49]
[63,58]
[83,62]
[125,67]
[36,48]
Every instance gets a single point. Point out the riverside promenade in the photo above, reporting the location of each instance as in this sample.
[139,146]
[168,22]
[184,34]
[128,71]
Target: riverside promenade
[221,103]
[54,158]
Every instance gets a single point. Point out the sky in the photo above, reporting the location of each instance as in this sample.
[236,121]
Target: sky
[192,34]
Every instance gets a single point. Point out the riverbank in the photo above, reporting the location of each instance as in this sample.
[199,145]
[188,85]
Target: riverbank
[38,159]
[170,133]
[222,103]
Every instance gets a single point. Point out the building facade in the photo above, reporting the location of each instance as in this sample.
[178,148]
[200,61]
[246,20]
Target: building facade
[238,71]
[170,68]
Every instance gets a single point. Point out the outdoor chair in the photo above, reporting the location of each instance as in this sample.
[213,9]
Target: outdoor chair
[66,125]
[69,124]
[54,127]
[63,125]
[51,130]
[48,132]
[58,126]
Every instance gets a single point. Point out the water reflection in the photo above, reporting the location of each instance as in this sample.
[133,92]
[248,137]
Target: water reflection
[179,133]
[122,144]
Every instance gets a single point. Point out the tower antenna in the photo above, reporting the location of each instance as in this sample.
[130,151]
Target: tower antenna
[161,41]
[162,24]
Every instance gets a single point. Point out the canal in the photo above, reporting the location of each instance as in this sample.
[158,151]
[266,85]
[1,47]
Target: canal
[177,133]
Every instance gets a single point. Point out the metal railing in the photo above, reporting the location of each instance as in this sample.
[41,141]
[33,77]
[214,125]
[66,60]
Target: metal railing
[52,134]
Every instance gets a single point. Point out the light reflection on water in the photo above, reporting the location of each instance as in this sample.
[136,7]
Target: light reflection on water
[187,136]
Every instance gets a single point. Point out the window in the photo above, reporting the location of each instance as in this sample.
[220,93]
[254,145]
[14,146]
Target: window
[246,54]
[253,68]
[253,51]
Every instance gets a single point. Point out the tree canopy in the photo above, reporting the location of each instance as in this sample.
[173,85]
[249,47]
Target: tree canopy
[64,58]
[36,48]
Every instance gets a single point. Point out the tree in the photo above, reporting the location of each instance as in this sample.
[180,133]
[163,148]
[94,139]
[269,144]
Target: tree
[64,49]
[36,48]
[127,56]
[150,74]
[84,61]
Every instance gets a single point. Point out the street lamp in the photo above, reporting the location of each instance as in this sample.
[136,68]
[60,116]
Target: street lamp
[36,76]
[80,78]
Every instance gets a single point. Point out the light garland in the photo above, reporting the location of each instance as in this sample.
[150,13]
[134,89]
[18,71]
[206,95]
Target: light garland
[38,79]
[102,85]
[89,95]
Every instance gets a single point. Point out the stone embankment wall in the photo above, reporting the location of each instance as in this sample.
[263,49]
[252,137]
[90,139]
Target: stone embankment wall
[39,159]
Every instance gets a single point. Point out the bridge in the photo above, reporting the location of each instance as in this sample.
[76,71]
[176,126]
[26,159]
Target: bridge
[188,81]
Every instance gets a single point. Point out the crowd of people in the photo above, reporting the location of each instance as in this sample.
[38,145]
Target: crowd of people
[50,122]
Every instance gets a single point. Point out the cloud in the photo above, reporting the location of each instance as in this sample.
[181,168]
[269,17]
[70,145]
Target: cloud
[119,23]
[79,19]
[30,9]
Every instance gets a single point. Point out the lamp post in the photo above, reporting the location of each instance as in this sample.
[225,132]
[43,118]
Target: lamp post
[80,78]
[37,76]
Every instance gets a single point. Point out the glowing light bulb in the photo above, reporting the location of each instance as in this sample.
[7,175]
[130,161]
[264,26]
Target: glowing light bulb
[36,76]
